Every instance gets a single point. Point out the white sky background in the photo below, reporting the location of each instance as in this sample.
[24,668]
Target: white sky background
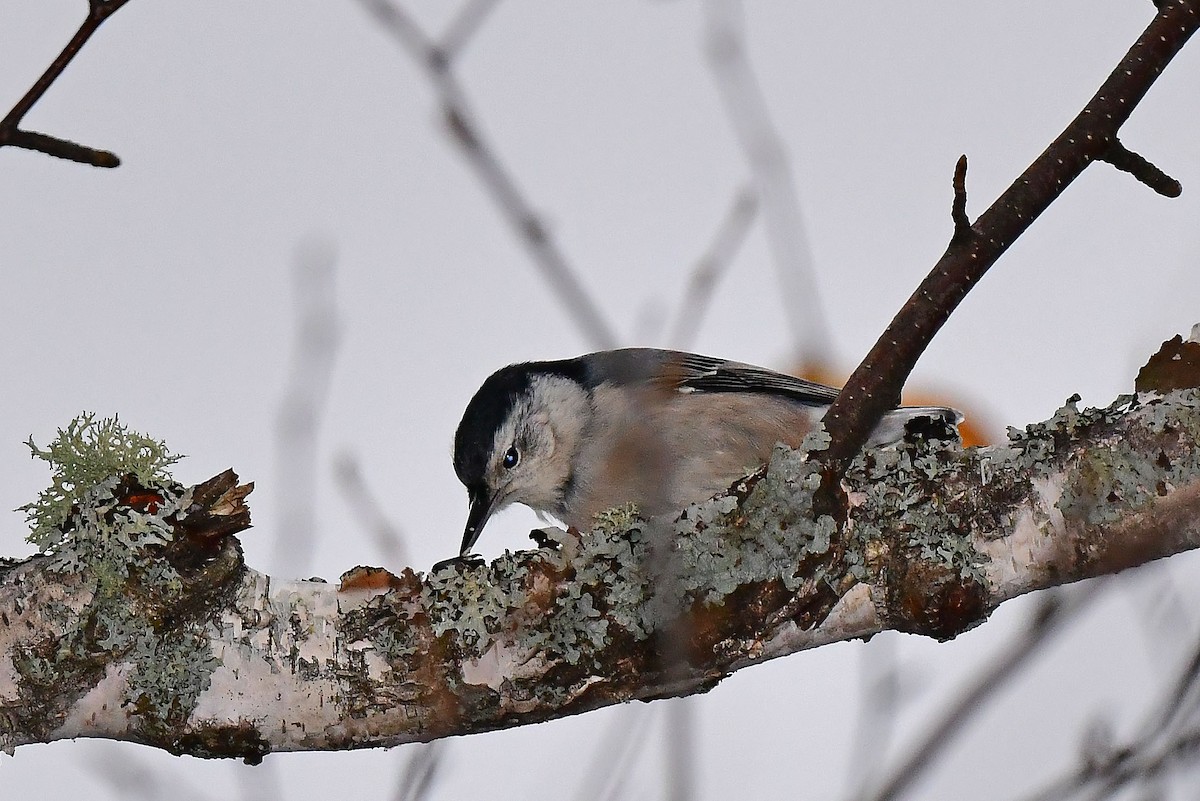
[249,131]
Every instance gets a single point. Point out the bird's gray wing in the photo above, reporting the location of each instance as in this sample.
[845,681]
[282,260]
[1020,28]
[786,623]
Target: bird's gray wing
[705,374]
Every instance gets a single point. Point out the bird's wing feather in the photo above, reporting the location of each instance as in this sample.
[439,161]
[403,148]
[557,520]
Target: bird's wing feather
[706,374]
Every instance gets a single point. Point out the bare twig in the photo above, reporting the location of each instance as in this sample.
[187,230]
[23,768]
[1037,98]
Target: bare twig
[317,340]
[420,771]
[132,778]
[1169,738]
[958,210]
[501,187]
[388,538]
[615,755]
[878,703]
[681,750]
[1126,160]
[1055,609]
[10,130]
[463,27]
[711,266]
[875,385]
[783,218]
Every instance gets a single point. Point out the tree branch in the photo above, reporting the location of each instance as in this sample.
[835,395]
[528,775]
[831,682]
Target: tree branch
[874,387]
[10,131]
[192,652]
[437,61]
[749,116]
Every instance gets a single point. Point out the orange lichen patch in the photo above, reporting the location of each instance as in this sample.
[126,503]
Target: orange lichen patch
[369,578]
[144,501]
[1175,366]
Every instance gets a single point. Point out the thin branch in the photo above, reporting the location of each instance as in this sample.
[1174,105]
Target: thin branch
[878,700]
[1145,759]
[1054,610]
[958,211]
[615,755]
[388,538]
[875,385]
[680,731]
[495,177]
[318,335]
[131,778]
[1167,738]
[464,26]
[420,772]
[712,265]
[1126,160]
[749,114]
[10,130]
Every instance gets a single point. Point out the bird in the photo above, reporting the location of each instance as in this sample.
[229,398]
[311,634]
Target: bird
[660,429]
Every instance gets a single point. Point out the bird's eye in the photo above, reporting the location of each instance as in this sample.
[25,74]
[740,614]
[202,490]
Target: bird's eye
[511,457]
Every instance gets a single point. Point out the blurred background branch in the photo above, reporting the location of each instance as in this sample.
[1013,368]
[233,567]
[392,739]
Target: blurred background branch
[437,58]
[749,115]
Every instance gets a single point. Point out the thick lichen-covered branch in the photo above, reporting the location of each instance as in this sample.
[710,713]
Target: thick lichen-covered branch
[169,640]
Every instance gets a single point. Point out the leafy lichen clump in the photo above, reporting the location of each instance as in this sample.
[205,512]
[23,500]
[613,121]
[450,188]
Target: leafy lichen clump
[905,505]
[106,518]
[82,456]
[1125,475]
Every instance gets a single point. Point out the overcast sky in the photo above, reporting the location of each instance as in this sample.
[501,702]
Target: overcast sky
[253,134]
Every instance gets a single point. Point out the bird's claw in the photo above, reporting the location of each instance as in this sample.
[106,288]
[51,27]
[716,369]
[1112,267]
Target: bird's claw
[466,559]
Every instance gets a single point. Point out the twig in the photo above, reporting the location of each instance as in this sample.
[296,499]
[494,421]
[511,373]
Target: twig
[420,771]
[10,130]
[464,26]
[958,210]
[1145,759]
[711,266]
[1054,610]
[317,340]
[614,756]
[783,218]
[481,155]
[363,504]
[875,385]
[1126,160]
[878,701]
[131,777]
[681,750]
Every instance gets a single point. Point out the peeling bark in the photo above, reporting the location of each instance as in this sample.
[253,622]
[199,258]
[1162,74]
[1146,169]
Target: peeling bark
[186,649]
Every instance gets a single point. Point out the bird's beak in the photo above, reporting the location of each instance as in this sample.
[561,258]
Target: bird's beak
[481,510]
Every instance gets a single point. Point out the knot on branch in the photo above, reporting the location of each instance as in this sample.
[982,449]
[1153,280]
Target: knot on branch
[929,597]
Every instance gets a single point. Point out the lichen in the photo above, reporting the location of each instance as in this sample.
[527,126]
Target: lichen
[84,454]
[173,668]
[1122,474]
[906,508]
[106,520]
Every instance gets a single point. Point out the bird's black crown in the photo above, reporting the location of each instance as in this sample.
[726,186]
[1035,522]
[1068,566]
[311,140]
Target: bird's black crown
[491,406]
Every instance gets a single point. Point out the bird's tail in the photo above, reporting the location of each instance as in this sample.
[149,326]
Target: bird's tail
[934,422]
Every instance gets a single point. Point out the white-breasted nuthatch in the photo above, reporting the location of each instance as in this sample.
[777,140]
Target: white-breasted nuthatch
[656,428]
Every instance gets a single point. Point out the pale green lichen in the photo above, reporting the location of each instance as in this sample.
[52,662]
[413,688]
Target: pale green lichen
[1110,481]
[173,668]
[620,518]
[85,528]
[84,454]
[905,505]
